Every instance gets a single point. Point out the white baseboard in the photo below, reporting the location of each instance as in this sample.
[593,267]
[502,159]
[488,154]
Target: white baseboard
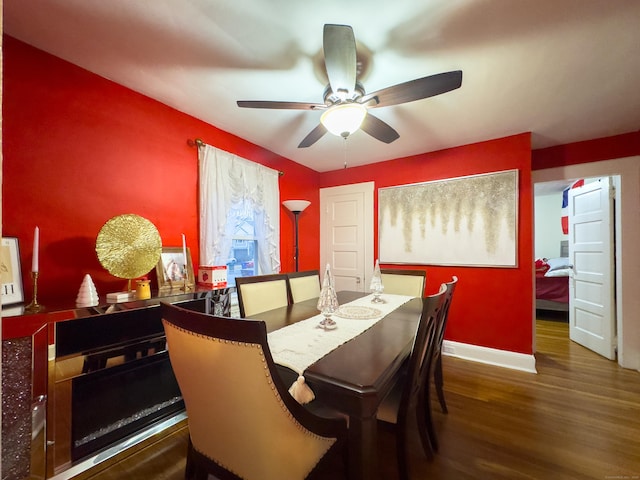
[491,356]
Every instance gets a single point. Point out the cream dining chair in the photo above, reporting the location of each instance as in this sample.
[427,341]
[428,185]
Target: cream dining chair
[404,282]
[243,423]
[260,293]
[304,285]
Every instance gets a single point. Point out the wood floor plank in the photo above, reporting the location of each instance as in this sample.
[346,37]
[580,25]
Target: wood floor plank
[577,418]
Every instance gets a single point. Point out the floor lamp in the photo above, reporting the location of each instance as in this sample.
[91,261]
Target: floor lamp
[296,207]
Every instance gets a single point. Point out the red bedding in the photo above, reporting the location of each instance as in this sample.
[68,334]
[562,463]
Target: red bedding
[552,288]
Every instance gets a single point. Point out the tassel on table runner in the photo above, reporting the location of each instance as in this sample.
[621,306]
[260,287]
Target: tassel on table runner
[301,391]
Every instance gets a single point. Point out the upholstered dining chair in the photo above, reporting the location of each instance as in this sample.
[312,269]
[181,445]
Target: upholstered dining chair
[408,394]
[260,293]
[404,282]
[304,285]
[243,423]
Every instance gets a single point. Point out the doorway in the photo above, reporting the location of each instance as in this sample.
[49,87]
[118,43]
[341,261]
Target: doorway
[346,234]
[553,190]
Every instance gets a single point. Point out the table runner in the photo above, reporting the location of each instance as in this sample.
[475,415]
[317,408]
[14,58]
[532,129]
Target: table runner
[301,344]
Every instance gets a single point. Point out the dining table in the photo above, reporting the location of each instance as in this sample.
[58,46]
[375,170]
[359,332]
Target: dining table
[356,376]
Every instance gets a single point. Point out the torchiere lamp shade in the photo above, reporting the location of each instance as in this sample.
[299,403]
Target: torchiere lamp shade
[296,206]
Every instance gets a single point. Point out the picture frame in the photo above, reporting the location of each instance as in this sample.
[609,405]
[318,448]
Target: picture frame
[169,269]
[468,221]
[10,272]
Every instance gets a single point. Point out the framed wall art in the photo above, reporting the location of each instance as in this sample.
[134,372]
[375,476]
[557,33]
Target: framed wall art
[10,273]
[470,221]
[170,271]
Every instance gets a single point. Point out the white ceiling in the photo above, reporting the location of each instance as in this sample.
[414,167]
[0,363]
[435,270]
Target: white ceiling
[565,70]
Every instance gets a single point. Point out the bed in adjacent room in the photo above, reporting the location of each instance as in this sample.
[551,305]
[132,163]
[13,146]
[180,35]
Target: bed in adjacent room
[552,283]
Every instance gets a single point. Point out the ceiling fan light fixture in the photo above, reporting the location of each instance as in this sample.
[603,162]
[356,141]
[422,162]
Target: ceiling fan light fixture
[345,103]
[343,119]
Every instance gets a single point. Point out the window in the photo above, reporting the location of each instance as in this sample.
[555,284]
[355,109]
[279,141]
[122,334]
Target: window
[239,214]
[243,255]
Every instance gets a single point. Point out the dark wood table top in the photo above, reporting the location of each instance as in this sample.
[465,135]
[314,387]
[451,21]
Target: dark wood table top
[355,376]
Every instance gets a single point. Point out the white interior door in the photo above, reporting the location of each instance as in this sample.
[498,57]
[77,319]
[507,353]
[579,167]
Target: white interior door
[592,321]
[346,234]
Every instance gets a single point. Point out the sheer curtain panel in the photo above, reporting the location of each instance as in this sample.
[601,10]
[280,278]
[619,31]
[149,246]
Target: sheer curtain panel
[229,183]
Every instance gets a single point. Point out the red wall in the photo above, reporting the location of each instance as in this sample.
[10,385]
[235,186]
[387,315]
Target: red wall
[79,149]
[618,146]
[492,306]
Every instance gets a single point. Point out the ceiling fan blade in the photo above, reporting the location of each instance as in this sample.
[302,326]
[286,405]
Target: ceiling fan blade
[339,46]
[378,129]
[313,136]
[415,89]
[281,105]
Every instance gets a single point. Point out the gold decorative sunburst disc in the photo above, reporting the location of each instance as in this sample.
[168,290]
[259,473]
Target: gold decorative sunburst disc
[128,246]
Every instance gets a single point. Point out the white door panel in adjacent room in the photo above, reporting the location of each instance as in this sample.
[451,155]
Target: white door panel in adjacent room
[592,320]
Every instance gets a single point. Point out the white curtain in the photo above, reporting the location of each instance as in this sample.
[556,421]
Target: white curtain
[226,182]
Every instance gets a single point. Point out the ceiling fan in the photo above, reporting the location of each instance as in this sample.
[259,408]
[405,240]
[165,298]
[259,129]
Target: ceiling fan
[345,96]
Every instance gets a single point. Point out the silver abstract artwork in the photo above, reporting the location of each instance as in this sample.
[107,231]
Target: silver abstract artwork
[470,221]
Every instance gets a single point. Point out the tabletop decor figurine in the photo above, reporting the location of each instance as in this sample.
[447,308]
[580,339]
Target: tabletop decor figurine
[376,284]
[88,294]
[328,301]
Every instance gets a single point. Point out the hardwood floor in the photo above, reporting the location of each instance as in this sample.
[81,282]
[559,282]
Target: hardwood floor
[578,418]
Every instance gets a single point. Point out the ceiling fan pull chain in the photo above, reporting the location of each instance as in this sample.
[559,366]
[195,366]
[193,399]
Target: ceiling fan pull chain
[345,151]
